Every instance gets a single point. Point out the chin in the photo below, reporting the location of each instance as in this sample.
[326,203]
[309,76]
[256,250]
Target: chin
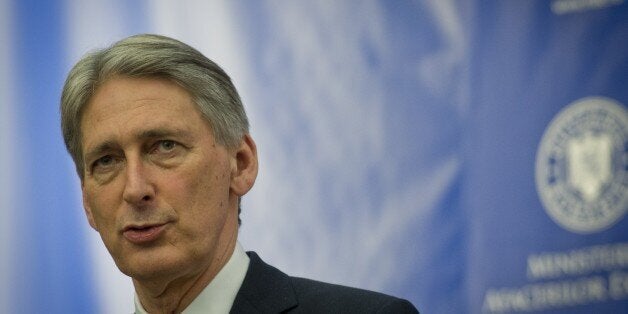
[146,266]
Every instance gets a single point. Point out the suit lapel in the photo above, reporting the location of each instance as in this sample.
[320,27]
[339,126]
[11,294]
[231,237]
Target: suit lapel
[265,289]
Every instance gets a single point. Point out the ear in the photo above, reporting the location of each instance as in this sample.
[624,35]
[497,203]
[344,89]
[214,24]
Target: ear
[244,166]
[88,210]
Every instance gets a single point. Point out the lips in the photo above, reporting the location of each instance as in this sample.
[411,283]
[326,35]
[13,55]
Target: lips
[142,234]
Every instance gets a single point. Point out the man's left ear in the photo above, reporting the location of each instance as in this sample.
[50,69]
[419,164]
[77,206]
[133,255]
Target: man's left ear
[244,166]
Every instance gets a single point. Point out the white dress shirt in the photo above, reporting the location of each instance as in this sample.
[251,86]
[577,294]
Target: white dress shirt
[218,296]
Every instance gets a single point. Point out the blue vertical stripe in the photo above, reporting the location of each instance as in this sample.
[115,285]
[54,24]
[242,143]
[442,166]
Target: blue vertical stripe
[50,255]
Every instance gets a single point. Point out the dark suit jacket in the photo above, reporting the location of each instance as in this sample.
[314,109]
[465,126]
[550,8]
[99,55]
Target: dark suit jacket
[267,290]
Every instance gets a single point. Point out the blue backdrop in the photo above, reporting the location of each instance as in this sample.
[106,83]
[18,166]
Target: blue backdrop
[469,156]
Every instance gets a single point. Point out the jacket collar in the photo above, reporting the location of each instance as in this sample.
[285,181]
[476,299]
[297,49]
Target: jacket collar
[265,289]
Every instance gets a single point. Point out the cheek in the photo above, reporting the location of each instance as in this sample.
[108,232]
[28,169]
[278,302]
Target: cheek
[200,197]
[101,204]
[103,210]
[205,181]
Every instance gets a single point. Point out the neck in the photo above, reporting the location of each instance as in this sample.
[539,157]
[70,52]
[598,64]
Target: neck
[174,295]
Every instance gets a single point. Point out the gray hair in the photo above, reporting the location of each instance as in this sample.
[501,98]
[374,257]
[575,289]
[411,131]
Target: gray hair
[153,56]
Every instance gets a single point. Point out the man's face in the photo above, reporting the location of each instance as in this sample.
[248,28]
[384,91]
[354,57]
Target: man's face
[157,187]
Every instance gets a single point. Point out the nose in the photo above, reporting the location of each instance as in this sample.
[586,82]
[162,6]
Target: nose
[138,190]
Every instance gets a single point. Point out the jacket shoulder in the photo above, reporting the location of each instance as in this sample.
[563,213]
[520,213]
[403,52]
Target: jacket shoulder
[319,296]
[268,290]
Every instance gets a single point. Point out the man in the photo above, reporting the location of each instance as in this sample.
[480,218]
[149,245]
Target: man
[160,141]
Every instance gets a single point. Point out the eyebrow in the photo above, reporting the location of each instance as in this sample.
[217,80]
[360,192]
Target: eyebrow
[110,145]
[99,150]
[161,132]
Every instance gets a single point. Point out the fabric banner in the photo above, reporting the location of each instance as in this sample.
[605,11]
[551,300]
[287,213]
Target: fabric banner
[546,187]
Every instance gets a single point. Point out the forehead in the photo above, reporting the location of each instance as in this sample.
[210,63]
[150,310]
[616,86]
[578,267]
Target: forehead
[125,106]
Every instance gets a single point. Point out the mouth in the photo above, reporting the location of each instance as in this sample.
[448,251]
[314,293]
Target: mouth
[142,234]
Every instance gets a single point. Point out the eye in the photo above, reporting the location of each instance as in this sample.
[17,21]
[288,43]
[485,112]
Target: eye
[165,146]
[103,162]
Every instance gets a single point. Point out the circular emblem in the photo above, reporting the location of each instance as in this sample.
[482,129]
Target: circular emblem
[582,165]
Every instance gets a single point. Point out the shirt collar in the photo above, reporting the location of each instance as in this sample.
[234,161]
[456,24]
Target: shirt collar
[219,294]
